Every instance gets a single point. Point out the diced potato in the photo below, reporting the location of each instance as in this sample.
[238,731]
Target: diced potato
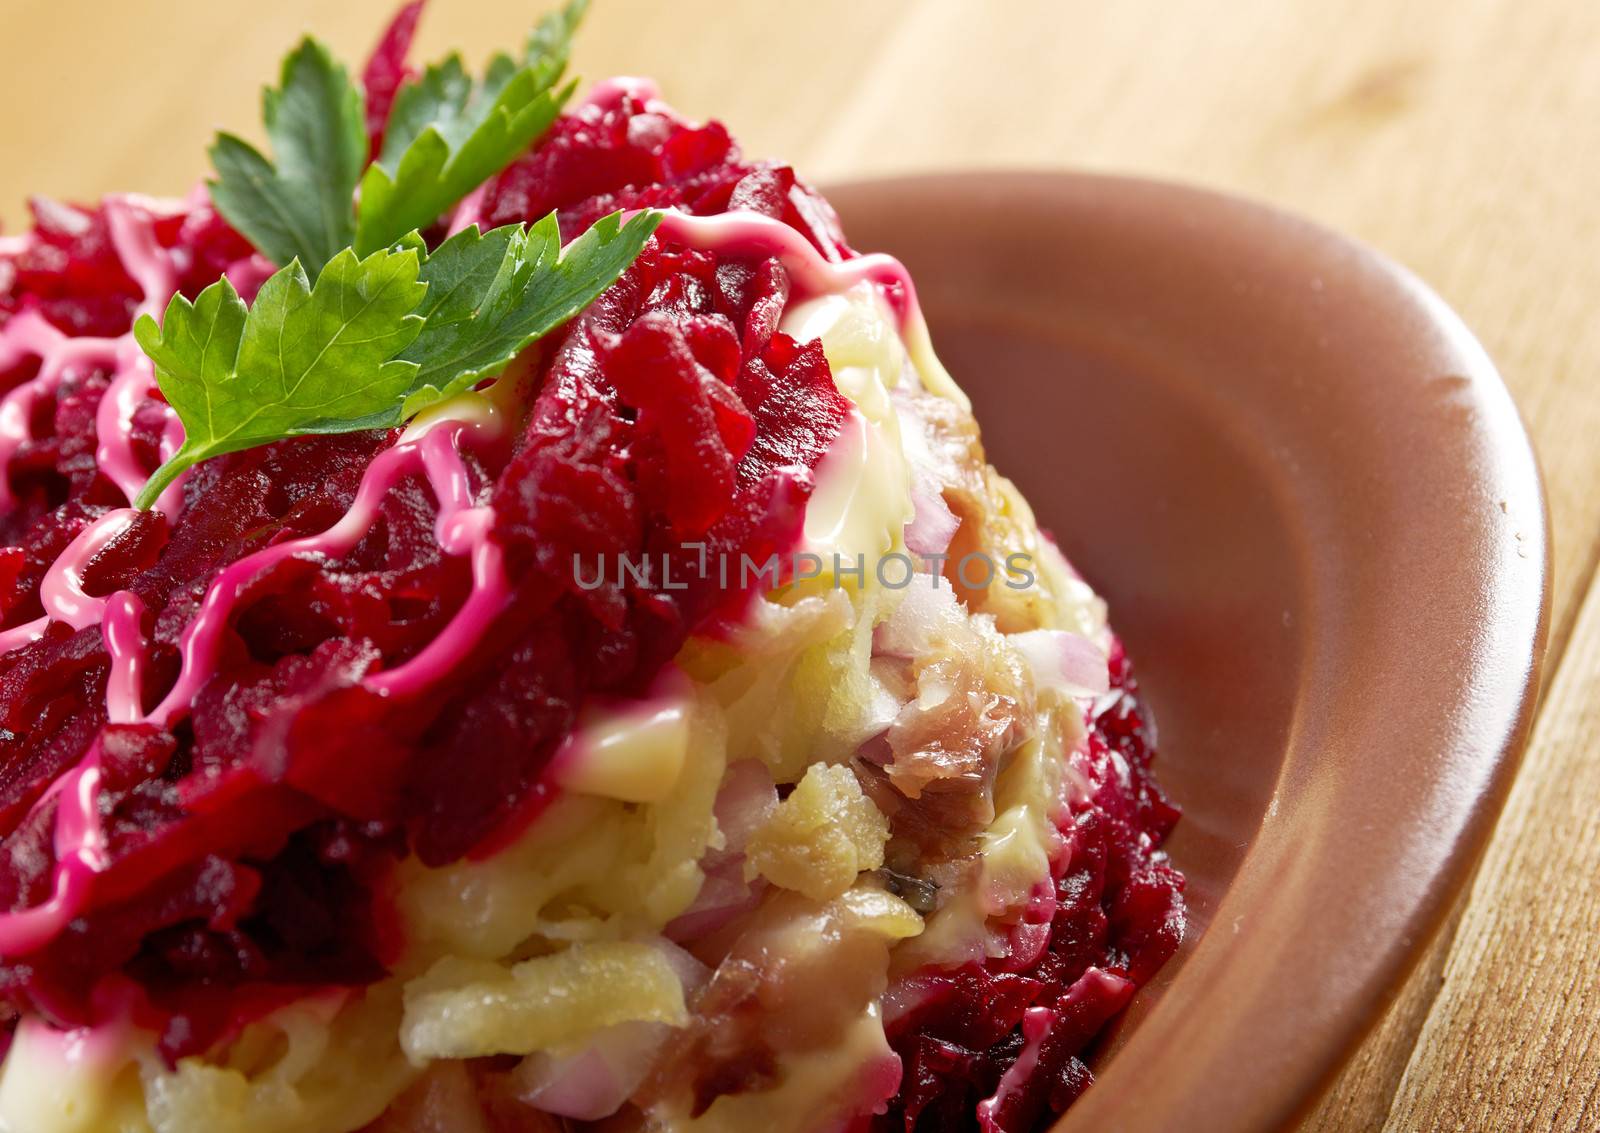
[472,1008]
[338,1068]
[589,868]
[633,755]
[53,1083]
[822,836]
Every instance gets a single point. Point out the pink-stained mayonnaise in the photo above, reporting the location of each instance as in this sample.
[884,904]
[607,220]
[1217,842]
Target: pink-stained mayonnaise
[461,529]
[432,446]
[125,645]
[131,222]
[134,379]
[756,235]
[61,590]
[76,835]
[29,334]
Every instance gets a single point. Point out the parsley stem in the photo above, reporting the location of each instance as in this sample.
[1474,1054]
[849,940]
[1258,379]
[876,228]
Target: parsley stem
[159,480]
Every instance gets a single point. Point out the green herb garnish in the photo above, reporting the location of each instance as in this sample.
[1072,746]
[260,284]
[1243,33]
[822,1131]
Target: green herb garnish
[296,362]
[364,327]
[376,340]
[448,135]
[297,206]
[492,296]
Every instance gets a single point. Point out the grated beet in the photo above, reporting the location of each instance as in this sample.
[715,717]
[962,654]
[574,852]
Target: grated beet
[629,156]
[246,843]
[1119,910]
[387,71]
[70,272]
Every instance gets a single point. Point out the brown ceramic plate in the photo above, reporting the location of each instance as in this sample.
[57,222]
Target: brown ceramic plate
[1308,498]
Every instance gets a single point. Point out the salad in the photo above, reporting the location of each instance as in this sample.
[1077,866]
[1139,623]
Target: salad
[506,624]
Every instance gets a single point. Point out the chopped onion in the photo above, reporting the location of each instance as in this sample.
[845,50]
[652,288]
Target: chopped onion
[880,1081]
[883,705]
[724,895]
[1027,942]
[932,524]
[1028,938]
[691,973]
[1067,662]
[594,1081]
[745,800]
[927,614]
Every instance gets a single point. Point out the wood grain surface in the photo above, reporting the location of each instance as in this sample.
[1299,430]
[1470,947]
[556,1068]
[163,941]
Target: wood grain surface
[1461,137]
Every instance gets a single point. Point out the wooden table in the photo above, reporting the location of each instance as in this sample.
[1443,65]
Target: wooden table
[1463,138]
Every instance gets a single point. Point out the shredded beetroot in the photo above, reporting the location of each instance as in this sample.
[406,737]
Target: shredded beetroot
[632,156]
[70,272]
[244,844]
[1118,911]
[247,841]
[387,71]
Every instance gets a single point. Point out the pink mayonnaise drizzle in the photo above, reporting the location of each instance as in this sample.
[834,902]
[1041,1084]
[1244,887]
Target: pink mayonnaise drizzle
[134,378]
[130,219]
[754,235]
[125,644]
[29,334]
[463,526]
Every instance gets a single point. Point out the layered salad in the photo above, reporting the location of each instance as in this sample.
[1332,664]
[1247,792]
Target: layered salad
[506,625]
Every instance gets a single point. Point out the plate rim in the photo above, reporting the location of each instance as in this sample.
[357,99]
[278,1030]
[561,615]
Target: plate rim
[1279,1100]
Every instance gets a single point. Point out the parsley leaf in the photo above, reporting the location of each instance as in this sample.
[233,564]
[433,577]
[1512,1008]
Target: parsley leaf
[301,360]
[448,135]
[375,341]
[297,206]
[492,295]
